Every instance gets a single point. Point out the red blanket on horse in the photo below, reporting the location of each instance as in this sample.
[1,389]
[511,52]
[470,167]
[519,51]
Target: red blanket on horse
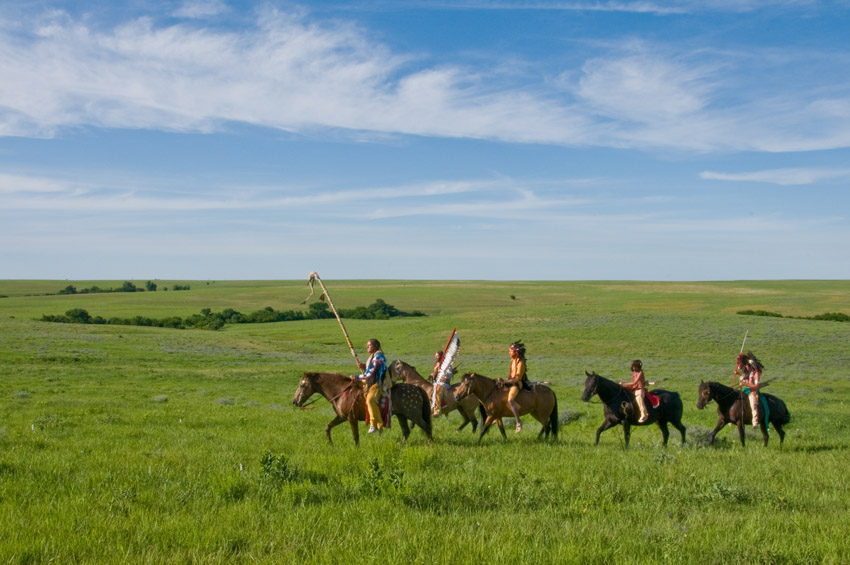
[384,405]
[654,400]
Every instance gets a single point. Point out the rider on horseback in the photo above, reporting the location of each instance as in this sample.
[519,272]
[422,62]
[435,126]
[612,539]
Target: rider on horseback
[374,383]
[638,386]
[749,370]
[441,382]
[517,379]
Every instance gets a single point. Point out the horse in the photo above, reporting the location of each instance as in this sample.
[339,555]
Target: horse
[409,402]
[619,406]
[540,402]
[734,408]
[466,408]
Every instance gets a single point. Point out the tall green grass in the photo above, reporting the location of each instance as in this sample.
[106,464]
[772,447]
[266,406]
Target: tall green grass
[162,446]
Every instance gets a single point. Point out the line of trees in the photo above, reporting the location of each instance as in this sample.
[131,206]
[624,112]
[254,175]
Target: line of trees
[207,319]
[128,286]
[828,316]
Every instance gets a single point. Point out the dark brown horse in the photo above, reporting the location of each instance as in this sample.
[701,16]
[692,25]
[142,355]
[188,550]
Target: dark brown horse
[399,370]
[408,402]
[734,408]
[540,402]
[620,408]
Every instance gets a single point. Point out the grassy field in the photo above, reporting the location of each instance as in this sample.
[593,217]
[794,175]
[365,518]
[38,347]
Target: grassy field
[146,445]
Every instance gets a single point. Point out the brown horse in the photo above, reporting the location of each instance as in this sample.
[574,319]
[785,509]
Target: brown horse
[349,402]
[540,402]
[399,370]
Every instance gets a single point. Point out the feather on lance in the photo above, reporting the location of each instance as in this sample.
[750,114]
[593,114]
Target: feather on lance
[449,353]
[314,276]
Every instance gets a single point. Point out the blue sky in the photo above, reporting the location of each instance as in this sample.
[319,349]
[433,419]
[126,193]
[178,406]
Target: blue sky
[687,140]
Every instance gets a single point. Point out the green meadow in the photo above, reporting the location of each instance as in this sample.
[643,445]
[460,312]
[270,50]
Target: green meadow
[149,445]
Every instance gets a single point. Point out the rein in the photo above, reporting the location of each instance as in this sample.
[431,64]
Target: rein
[346,389]
[725,396]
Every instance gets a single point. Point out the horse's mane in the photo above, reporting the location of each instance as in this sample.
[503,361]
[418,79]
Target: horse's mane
[721,386]
[605,380]
[478,375]
[317,374]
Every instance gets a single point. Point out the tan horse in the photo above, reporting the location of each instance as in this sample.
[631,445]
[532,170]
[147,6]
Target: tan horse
[540,402]
[349,402]
[399,370]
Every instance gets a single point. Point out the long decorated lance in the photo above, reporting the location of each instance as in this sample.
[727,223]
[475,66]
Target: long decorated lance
[449,342]
[741,390]
[314,276]
[741,352]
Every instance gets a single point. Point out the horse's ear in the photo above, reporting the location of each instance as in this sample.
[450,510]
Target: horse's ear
[701,381]
[586,373]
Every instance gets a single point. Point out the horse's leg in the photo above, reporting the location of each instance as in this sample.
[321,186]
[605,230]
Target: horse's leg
[605,425]
[627,431]
[763,427]
[487,423]
[501,428]
[543,422]
[462,411]
[665,433]
[679,426]
[778,427]
[335,422]
[721,422]
[355,430]
[405,429]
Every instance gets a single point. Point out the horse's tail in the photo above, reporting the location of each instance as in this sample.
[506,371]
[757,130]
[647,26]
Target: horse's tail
[786,415]
[426,411]
[553,417]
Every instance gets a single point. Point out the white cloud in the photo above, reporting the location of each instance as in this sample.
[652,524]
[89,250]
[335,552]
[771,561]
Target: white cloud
[201,9]
[296,74]
[662,8]
[785,177]
[644,88]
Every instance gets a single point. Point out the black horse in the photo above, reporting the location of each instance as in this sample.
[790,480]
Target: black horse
[734,408]
[620,407]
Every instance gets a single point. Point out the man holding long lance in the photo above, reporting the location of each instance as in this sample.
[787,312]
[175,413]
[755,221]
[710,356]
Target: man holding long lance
[375,386]
[749,370]
[443,372]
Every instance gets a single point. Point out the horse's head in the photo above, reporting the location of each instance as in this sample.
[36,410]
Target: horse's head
[589,386]
[394,369]
[704,395]
[464,389]
[306,388]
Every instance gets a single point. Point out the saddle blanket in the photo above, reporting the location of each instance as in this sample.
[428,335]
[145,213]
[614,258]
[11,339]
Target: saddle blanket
[654,400]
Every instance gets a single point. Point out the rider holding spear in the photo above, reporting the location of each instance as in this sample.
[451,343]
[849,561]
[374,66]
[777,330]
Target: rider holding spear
[375,386]
[749,370]
[443,372]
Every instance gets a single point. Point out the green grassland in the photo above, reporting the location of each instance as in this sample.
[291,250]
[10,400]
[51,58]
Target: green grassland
[148,445]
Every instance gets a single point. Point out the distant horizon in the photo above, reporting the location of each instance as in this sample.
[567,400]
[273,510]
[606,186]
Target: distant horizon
[179,279]
[642,140]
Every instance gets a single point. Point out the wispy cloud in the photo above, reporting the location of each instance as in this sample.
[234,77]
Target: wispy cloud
[785,177]
[662,8]
[295,73]
[201,9]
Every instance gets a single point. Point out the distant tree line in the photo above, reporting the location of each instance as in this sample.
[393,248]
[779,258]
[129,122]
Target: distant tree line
[828,316]
[209,320]
[126,287]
